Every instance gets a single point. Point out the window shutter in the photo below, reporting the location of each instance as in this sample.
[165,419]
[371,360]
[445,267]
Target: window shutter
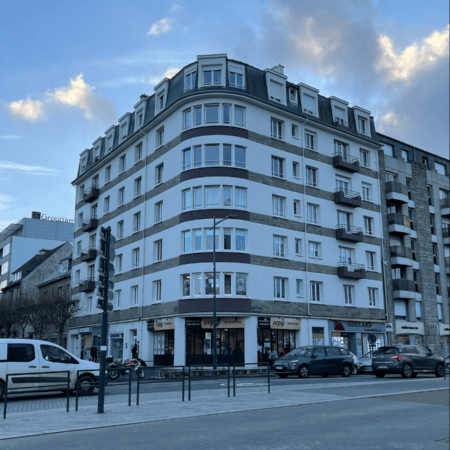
[400,307]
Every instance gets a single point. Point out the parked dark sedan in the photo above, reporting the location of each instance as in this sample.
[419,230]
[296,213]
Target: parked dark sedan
[407,360]
[315,360]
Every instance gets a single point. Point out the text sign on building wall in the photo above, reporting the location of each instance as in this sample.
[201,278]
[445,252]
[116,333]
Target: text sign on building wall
[164,324]
[283,323]
[224,322]
[359,327]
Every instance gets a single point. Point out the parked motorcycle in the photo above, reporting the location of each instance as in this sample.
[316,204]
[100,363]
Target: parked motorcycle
[115,370]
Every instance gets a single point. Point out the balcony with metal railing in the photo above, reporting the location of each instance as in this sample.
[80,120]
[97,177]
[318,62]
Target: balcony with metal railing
[346,232]
[91,194]
[90,223]
[404,288]
[446,233]
[347,197]
[341,123]
[349,270]
[345,162]
[86,285]
[88,254]
[445,206]
[399,224]
[447,265]
[396,192]
[401,256]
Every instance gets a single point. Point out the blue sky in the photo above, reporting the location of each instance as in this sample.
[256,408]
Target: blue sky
[69,71]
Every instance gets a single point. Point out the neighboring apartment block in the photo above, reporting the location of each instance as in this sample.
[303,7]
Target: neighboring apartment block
[300,264]
[22,240]
[417,245]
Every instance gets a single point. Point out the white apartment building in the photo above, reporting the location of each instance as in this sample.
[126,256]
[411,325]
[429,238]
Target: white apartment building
[300,264]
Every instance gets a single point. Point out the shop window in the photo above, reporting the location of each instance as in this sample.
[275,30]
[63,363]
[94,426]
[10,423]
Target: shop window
[318,336]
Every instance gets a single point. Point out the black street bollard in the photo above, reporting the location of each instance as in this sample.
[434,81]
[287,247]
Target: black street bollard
[5,399]
[228,380]
[76,392]
[268,377]
[129,388]
[68,391]
[189,384]
[137,389]
[234,380]
[182,386]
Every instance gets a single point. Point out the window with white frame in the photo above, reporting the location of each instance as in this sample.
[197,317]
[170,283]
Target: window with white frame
[187,118]
[364,158]
[315,249]
[340,115]
[198,115]
[118,263]
[138,186]
[373,296]
[315,291]
[107,174]
[298,247]
[299,288]
[158,211]
[279,206]
[137,222]
[80,220]
[313,213]
[159,174]
[140,118]
[212,157]
[297,208]
[296,170]
[134,295]
[94,209]
[388,149]
[187,159]
[362,125]
[135,258]
[117,299]
[439,306]
[366,192]
[121,196]
[122,163]
[138,152]
[294,131]
[186,285]
[159,137]
[212,196]
[239,115]
[309,104]
[418,311]
[310,140]
[212,113]
[160,101]
[293,95]
[90,306]
[77,277]
[78,248]
[370,260]
[349,294]
[226,112]
[120,227]
[277,129]
[240,198]
[157,250]
[312,176]
[92,240]
[236,80]
[186,196]
[189,81]
[276,91]
[157,291]
[277,167]
[187,241]
[212,77]
[440,168]
[369,226]
[81,192]
[280,287]
[109,142]
[346,255]
[106,202]
[279,246]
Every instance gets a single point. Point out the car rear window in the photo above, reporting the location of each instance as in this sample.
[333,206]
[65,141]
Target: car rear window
[387,351]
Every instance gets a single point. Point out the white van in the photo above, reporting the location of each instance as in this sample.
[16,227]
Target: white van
[28,356]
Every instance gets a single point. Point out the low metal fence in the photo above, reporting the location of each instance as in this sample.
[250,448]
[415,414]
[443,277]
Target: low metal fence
[256,369]
[37,382]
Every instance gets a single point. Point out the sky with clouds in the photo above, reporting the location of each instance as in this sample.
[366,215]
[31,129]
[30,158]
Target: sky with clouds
[69,71]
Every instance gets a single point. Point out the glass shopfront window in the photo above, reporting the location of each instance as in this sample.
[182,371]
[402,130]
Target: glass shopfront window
[280,341]
[163,345]
[318,336]
[403,339]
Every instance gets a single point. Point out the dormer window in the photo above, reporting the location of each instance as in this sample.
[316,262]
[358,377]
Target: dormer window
[190,80]
[339,116]
[83,164]
[109,143]
[309,99]
[276,91]
[309,104]
[123,131]
[17,275]
[292,95]
[362,119]
[64,267]
[140,119]
[161,101]
[236,80]
[362,125]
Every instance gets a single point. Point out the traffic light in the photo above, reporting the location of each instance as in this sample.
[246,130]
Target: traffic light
[106,271]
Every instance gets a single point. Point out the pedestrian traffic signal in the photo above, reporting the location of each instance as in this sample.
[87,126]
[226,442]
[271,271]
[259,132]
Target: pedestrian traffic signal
[106,271]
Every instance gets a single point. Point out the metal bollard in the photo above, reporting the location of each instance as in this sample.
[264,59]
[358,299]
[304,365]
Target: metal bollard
[68,391]
[189,384]
[234,380]
[129,388]
[182,386]
[228,380]
[76,393]
[268,377]
[5,399]
[137,389]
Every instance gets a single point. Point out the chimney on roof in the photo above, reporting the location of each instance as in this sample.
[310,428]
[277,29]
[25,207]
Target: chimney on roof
[279,69]
[43,251]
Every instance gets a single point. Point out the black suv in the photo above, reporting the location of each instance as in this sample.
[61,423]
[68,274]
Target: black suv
[315,360]
[408,360]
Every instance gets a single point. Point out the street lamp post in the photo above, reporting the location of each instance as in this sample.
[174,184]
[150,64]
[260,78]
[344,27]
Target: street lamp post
[214,336]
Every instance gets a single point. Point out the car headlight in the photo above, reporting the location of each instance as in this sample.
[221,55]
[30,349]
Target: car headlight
[291,363]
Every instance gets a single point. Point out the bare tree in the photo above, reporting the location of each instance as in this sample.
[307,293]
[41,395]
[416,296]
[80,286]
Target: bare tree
[22,306]
[7,315]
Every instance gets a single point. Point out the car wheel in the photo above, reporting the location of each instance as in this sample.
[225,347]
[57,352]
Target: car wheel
[379,374]
[282,375]
[440,370]
[86,385]
[407,371]
[355,370]
[346,370]
[113,374]
[2,390]
[303,372]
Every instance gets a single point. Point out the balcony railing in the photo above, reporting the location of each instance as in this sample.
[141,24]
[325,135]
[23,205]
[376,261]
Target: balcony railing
[86,285]
[346,162]
[90,223]
[399,219]
[445,202]
[349,270]
[447,261]
[340,123]
[347,197]
[88,254]
[401,252]
[396,192]
[404,285]
[349,233]
[91,193]
[445,231]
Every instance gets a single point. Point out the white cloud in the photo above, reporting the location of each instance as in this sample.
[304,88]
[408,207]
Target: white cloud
[414,58]
[171,72]
[163,25]
[389,119]
[175,7]
[34,170]
[10,136]
[4,200]
[77,95]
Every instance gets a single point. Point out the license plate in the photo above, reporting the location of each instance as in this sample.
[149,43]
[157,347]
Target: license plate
[382,367]
[279,367]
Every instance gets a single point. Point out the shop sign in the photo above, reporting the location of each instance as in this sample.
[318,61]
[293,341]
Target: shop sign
[444,329]
[84,330]
[224,322]
[359,327]
[282,323]
[389,327]
[193,323]
[164,324]
[264,322]
[409,327]
[150,325]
